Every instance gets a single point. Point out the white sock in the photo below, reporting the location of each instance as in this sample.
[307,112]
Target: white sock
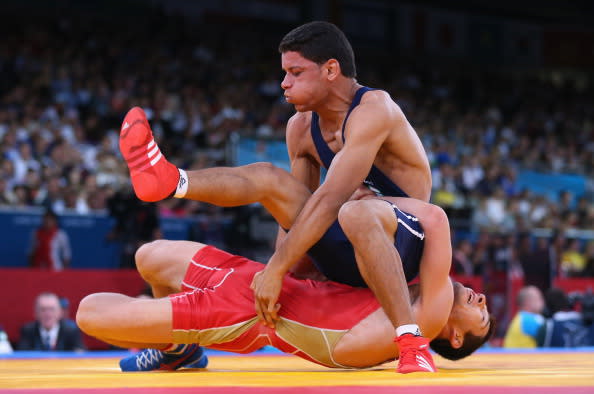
[408,329]
[182,185]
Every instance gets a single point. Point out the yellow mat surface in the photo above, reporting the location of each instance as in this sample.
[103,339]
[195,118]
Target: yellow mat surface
[539,369]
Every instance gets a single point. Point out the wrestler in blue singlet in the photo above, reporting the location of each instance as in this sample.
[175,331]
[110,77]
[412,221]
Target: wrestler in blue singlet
[333,254]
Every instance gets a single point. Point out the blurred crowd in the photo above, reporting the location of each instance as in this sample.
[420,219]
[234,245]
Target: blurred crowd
[554,319]
[61,107]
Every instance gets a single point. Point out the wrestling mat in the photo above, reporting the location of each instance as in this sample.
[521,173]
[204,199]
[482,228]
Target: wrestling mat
[487,372]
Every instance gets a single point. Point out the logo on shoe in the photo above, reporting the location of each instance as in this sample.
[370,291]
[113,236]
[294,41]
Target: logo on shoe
[423,363]
[127,127]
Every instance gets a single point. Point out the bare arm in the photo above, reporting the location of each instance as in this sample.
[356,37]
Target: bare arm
[307,171]
[367,129]
[433,306]
[303,167]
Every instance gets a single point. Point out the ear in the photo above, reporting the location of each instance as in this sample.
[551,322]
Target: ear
[332,69]
[456,338]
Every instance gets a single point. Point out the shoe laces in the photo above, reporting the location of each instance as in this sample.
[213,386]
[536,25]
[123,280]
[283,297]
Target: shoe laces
[408,354]
[147,357]
[410,346]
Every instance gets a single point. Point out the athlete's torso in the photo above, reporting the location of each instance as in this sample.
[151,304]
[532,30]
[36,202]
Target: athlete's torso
[376,180]
[400,169]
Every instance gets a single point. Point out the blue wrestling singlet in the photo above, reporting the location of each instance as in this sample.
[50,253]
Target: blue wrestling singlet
[334,255]
[376,180]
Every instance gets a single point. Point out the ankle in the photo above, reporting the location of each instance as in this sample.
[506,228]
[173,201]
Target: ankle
[412,329]
[182,185]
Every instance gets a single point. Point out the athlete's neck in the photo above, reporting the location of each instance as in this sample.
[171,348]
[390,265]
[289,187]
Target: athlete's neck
[333,108]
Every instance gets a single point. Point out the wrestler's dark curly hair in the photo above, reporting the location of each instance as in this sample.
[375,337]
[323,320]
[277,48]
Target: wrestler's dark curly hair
[471,342]
[319,42]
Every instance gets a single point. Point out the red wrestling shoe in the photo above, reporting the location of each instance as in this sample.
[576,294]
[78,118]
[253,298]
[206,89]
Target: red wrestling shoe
[414,354]
[153,177]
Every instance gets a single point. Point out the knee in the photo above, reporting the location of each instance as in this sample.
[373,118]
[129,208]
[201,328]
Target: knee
[434,217]
[355,216]
[269,174]
[359,218]
[87,316]
[146,264]
[264,169]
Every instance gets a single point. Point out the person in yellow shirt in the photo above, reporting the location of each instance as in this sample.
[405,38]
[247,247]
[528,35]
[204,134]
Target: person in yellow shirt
[523,329]
[573,261]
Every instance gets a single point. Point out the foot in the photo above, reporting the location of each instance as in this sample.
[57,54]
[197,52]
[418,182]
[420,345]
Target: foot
[186,356]
[153,177]
[414,354]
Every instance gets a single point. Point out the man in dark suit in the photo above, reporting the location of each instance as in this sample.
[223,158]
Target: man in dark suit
[49,331]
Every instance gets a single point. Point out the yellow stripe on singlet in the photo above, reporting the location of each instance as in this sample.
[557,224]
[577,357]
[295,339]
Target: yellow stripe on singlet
[215,335]
[317,343]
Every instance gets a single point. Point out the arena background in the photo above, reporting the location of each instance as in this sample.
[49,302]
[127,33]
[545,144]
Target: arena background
[500,93]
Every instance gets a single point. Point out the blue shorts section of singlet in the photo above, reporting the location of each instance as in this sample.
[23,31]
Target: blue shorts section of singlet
[334,255]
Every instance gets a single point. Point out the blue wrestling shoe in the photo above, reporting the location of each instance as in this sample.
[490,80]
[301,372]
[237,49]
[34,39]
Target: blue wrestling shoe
[183,356]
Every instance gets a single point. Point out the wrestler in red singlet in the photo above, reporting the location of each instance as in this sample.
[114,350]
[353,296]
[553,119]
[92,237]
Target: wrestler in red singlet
[216,310]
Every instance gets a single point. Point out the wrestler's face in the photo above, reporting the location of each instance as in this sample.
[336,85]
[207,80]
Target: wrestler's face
[470,313]
[304,82]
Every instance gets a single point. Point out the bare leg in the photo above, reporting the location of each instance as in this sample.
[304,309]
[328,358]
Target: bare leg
[135,345]
[138,323]
[370,226]
[123,319]
[163,264]
[278,191]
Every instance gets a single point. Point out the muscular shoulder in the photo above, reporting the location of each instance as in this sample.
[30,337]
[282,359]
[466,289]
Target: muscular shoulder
[298,125]
[298,131]
[377,114]
[380,104]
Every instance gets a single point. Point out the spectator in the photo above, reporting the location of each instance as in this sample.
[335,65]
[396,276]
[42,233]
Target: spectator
[573,261]
[461,259]
[50,245]
[524,327]
[589,255]
[65,306]
[136,223]
[49,332]
[536,263]
[566,327]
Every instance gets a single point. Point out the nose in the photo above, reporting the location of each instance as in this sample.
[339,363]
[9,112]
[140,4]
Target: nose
[285,83]
[480,299]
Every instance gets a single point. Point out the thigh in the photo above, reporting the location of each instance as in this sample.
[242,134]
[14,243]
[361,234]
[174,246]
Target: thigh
[165,263]
[334,256]
[124,318]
